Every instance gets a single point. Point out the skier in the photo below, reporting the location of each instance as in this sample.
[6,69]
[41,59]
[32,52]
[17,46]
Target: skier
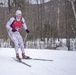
[13,26]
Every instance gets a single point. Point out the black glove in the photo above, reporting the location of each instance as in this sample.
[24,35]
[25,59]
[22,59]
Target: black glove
[14,30]
[27,30]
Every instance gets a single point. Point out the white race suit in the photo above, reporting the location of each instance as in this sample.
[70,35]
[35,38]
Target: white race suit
[15,36]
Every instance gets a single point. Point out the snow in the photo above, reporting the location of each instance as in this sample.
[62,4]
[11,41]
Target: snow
[39,1]
[64,62]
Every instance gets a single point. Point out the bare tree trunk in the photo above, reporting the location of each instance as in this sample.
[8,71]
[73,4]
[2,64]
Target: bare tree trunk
[9,5]
[73,7]
[67,26]
[58,21]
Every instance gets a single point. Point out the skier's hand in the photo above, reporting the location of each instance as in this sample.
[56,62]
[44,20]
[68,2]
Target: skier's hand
[14,30]
[27,30]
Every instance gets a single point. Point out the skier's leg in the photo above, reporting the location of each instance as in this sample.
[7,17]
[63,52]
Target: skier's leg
[15,40]
[21,43]
[22,47]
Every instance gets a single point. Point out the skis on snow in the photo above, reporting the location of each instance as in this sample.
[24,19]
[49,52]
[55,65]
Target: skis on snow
[20,61]
[38,59]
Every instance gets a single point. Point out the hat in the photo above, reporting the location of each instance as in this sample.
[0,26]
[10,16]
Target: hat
[18,12]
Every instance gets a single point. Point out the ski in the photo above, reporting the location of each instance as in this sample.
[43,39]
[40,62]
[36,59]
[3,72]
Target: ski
[20,61]
[39,59]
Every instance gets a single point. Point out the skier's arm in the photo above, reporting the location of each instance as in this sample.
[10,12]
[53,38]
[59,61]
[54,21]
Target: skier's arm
[9,23]
[24,25]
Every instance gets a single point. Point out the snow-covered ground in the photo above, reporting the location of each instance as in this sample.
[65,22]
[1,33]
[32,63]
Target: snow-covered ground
[64,62]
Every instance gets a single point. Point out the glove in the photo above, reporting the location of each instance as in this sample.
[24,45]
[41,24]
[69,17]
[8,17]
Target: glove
[27,30]
[14,30]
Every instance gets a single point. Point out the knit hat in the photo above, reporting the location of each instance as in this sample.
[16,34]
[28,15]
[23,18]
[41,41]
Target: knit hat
[18,12]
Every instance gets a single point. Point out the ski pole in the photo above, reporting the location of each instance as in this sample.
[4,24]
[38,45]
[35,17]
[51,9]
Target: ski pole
[25,38]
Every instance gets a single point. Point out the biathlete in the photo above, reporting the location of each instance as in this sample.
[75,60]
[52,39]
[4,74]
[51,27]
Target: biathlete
[13,26]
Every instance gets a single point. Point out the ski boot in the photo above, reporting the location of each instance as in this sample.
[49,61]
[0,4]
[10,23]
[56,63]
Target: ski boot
[17,56]
[24,56]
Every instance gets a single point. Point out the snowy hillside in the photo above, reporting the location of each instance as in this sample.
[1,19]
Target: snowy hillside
[64,62]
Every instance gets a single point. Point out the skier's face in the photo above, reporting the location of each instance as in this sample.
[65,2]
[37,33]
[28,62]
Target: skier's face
[19,16]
